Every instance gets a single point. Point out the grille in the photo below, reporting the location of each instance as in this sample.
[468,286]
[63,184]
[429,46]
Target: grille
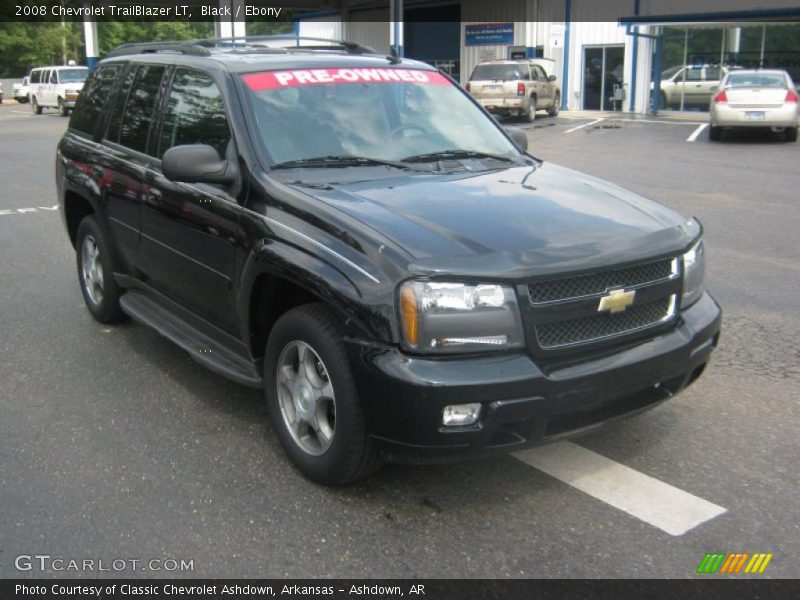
[602,325]
[599,283]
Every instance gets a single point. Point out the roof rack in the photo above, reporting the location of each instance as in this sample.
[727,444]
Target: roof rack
[200,47]
[182,47]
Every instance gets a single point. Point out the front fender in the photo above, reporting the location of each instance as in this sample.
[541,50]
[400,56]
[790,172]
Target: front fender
[317,276]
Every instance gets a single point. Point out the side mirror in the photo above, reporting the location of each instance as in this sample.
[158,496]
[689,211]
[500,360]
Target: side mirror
[551,78]
[518,136]
[194,163]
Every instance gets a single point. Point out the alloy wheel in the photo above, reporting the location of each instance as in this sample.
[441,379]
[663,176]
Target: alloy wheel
[92,270]
[306,398]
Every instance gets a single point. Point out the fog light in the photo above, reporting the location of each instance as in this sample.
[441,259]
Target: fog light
[458,415]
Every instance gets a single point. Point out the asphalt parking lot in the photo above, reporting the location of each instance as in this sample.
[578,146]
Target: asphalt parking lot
[115,444]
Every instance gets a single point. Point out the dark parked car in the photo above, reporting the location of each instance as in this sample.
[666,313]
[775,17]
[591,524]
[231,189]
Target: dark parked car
[354,234]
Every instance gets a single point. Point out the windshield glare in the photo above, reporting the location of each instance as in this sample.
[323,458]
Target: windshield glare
[385,114]
[756,80]
[72,75]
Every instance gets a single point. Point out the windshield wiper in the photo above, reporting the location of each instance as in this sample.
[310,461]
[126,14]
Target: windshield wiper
[445,154]
[344,160]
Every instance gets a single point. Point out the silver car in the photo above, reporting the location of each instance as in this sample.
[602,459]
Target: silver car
[755,98]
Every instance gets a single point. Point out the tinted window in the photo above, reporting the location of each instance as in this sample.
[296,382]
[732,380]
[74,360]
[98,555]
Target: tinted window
[497,72]
[138,114]
[540,73]
[89,109]
[53,76]
[195,113]
[712,73]
[36,76]
[119,106]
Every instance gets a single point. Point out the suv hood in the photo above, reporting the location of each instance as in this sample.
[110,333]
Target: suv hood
[506,223]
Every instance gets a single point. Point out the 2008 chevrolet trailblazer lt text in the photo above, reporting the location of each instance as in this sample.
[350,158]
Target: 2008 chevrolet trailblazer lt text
[353,233]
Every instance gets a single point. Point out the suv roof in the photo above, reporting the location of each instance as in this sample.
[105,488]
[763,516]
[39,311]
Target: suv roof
[253,53]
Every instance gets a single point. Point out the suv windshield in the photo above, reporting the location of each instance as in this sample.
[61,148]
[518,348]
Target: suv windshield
[72,75]
[381,114]
[497,73]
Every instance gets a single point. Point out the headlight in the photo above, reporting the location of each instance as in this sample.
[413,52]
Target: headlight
[694,272]
[456,317]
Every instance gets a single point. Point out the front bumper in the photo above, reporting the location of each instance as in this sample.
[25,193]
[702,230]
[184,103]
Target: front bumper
[725,116]
[523,404]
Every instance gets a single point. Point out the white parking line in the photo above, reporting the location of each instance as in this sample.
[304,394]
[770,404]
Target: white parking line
[22,112]
[22,211]
[585,125]
[696,132]
[659,122]
[653,501]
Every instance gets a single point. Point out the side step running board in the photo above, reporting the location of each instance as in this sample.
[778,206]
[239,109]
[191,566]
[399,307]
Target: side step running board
[202,348]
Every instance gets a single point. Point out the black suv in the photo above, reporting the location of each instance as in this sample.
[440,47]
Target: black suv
[352,233]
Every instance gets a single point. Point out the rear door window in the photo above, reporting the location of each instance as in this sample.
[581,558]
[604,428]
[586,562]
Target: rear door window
[130,126]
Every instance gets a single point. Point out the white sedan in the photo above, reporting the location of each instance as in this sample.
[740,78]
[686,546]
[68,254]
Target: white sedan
[755,98]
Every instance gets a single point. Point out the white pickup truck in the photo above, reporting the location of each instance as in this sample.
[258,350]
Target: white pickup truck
[21,90]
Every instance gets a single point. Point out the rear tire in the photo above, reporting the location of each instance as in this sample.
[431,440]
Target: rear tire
[790,134]
[336,449]
[96,272]
[35,106]
[714,133]
[530,114]
[553,110]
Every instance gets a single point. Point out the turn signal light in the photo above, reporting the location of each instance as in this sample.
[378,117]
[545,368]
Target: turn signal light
[408,310]
[791,96]
[520,89]
[721,98]
[467,86]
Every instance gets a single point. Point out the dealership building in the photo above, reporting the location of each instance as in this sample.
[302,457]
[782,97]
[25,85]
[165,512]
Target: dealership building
[614,55]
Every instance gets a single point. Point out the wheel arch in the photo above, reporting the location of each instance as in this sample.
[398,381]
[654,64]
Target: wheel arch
[278,277]
[76,208]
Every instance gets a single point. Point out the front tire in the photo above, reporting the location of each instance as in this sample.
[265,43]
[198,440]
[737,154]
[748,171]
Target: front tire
[553,110]
[62,108]
[530,114]
[714,133]
[35,106]
[312,398]
[790,134]
[96,273]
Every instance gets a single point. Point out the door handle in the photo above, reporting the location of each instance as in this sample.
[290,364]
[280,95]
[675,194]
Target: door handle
[152,196]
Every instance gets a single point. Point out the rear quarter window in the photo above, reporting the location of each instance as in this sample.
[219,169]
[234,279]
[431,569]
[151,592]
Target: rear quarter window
[93,101]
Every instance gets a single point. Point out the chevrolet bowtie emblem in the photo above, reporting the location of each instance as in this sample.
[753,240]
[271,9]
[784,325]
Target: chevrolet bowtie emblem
[616,301]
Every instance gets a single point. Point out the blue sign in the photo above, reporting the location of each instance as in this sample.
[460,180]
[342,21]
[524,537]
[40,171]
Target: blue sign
[489,34]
